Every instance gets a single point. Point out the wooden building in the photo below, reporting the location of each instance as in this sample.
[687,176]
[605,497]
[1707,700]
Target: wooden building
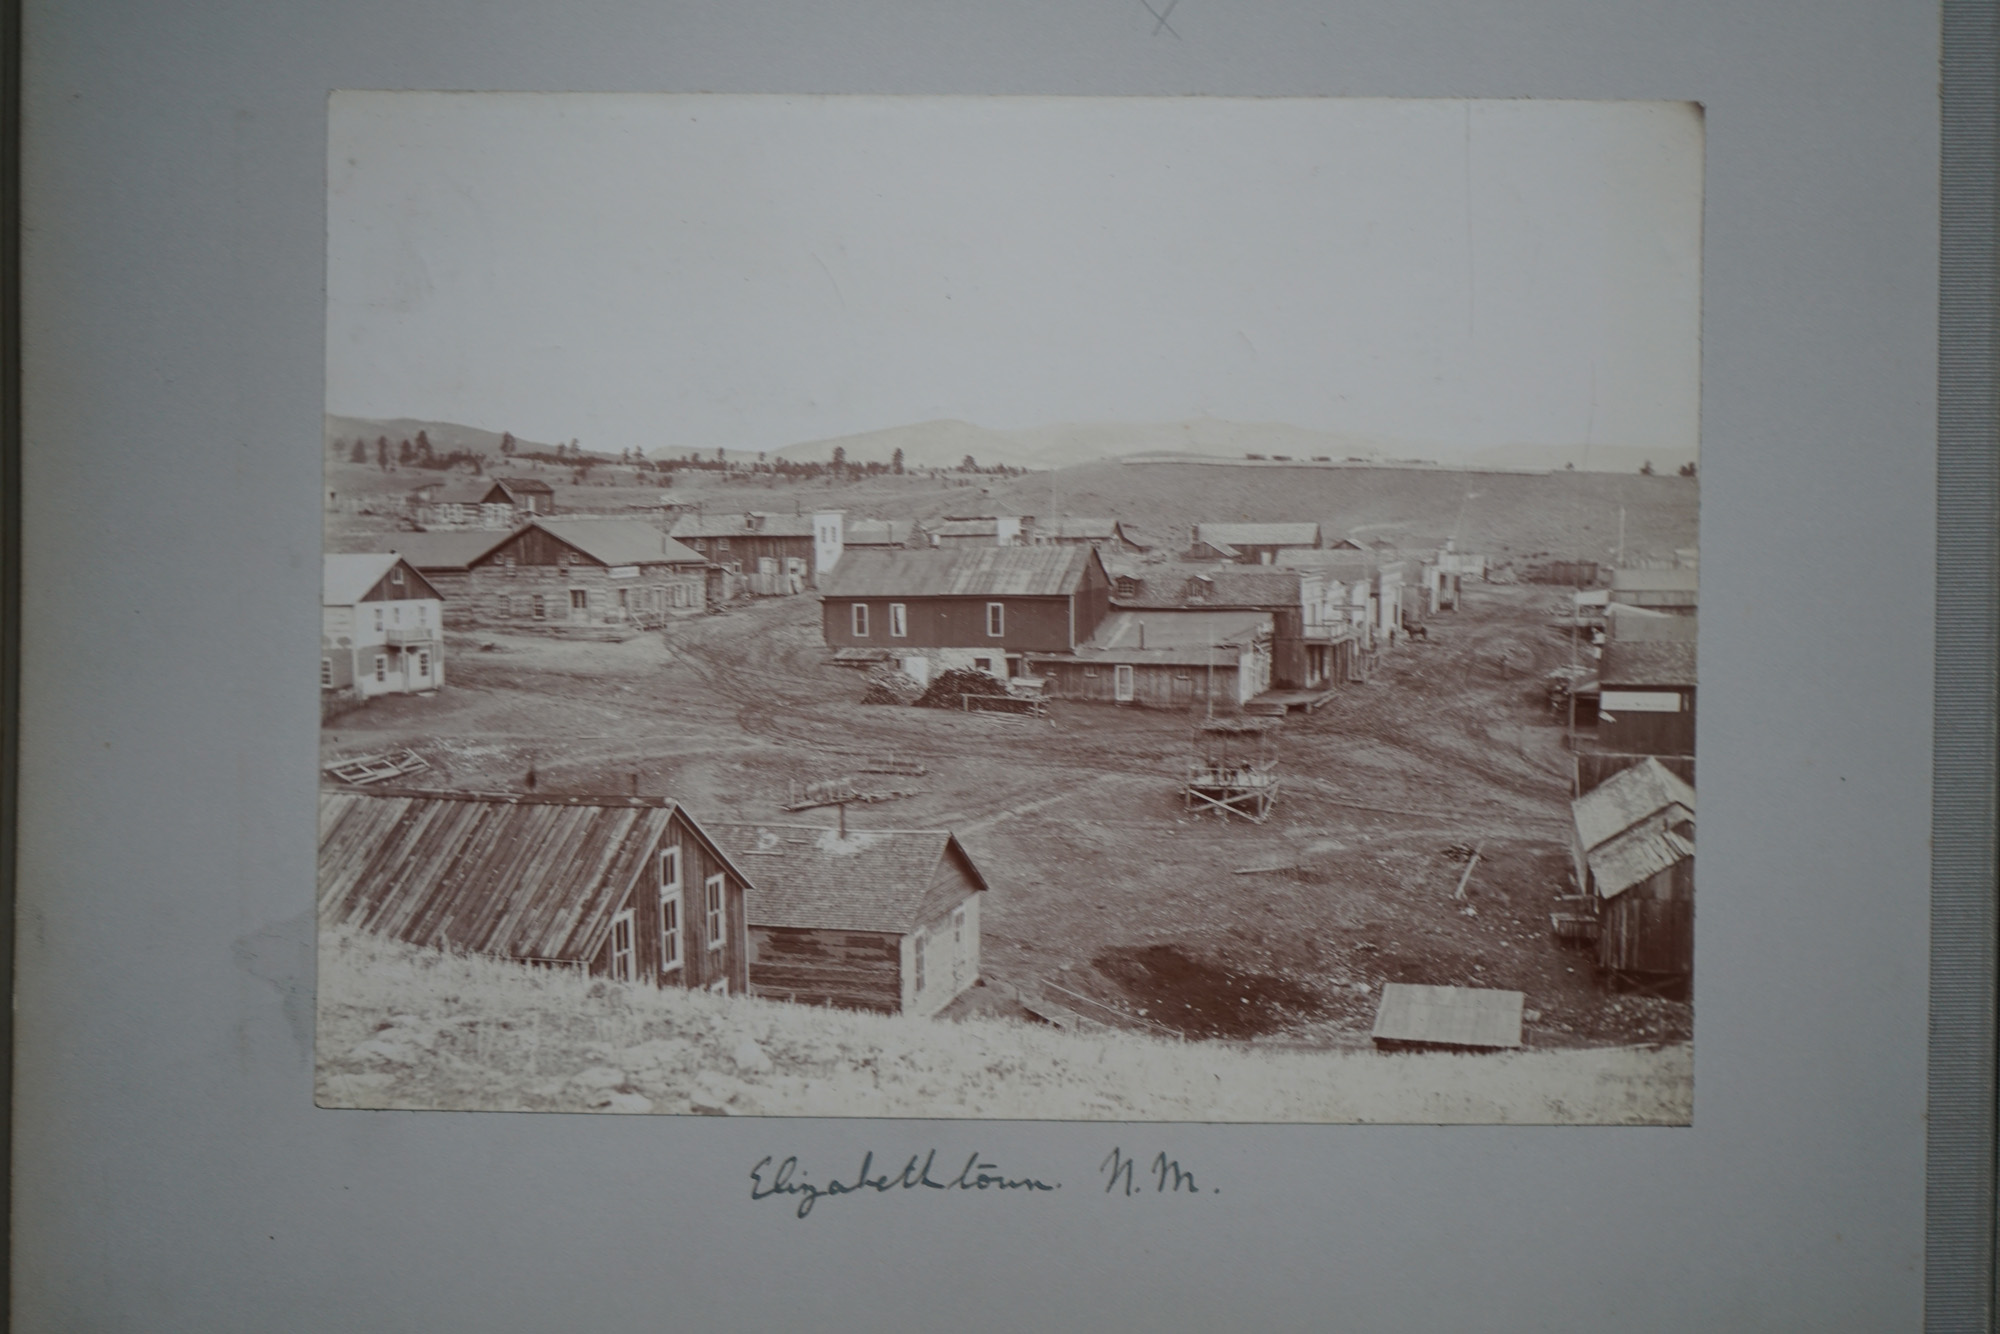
[1166,660]
[1676,590]
[628,888]
[461,505]
[1314,637]
[1078,530]
[980,607]
[767,554]
[1633,853]
[1382,576]
[530,496]
[883,535]
[1645,704]
[987,530]
[577,573]
[874,919]
[445,559]
[381,626]
[1251,543]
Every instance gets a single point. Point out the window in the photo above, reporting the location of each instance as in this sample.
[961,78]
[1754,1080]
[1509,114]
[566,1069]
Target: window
[722,544]
[508,561]
[701,545]
[670,868]
[670,929]
[624,599]
[958,959]
[541,608]
[579,599]
[712,894]
[982,664]
[378,618]
[381,667]
[860,610]
[325,672]
[562,559]
[996,618]
[423,614]
[899,621]
[396,575]
[506,607]
[621,947]
[423,664]
[922,948]
[1090,671]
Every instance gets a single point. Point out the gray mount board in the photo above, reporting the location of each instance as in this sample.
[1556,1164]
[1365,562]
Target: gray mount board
[171,1172]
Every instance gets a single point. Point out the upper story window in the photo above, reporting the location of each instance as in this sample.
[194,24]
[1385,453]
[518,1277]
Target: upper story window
[996,618]
[899,621]
[396,575]
[860,612]
[378,618]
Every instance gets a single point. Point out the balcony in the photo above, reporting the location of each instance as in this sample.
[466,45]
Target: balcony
[410,635]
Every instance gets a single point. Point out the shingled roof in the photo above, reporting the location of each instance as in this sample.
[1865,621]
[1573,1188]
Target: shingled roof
[1052,571]
[444,553]
[515,876]
[619,541]
[754,523]
[1629,798]
[347,578]
[810,877]
[1647,663]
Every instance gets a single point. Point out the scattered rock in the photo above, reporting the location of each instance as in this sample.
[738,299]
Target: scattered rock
[621,1102]
[750,1058]
[600,1077]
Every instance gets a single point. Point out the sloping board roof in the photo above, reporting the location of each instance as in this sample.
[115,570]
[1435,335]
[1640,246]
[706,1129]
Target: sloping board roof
[1640,625]
[740,525]
[960,572]
[1625,799]
[1449,1016]
[620,541]
[1225,586]
[453,495]
[1137,536]
[876,532]
[1647,663]
[347,578]
[1077,528]
[809,877]
[1656,581]
[1258,534]
[1117,637]
[445,553]
[519,877]
[526,485]
[1635,857]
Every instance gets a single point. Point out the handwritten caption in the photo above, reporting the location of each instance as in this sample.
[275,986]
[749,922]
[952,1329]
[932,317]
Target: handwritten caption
[773,1177]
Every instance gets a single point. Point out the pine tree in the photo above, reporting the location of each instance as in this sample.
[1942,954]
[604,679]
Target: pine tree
[360,454]
[896,461]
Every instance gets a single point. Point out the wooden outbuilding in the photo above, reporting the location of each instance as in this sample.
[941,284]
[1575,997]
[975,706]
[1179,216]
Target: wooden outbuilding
[766,554]
[1633,853]
[1315,640]
[628,888]
[1645,705]
[1166,660]
[865,919]
[530,496]
[381,626]
[982,608]
[583,574]
[1251,543]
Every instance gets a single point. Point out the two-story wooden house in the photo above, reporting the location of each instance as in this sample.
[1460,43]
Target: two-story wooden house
[381,626]
[982,608]
[628,888]
[581,574]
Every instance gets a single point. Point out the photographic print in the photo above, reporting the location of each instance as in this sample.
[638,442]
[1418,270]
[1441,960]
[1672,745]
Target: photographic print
[1131,609]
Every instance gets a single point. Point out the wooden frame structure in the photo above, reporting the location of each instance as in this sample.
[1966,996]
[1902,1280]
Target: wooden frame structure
[1224,779]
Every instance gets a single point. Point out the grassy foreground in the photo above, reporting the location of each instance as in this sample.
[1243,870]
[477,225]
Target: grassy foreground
[401,1027]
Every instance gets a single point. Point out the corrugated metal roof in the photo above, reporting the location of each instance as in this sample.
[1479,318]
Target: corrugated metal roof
[1634,857]
[1647,663]
[346,578]
[809,877]
[1223,586]
[1627,798]
[620,541]
[959,572]
[1449,1016]
[755,523]
[1258,534]
[518,877]
[445,553]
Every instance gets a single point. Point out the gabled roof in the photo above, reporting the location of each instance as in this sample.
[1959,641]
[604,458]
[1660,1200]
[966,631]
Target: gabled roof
[752,524]
[1078,528]
[1053,571]
[1173,638]
[461,494]
[1348,567]
[445,553]
[515,876]
[618,541]
[877,532]
[1223,586]
[1637,625]
[1133,534]
[1635,857]
[1647,663]
[526,485]
[809,877]
[1628,798]
[346,578]
[968,528]
[1258,534]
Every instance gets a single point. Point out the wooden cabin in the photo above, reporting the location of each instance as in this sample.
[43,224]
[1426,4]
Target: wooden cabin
[578,573]
[883,535]
[627,888]
[1251,543]
[983,608]
[1314,638]
[1633,852]
[1645,704]
[529,496]
[445,559]
[381,626]
[461,506]
[874,919]
[766,554]
[1166,660]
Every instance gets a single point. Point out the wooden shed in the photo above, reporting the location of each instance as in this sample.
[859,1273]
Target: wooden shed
[1646,701]
[1633,852]
[875,919]
[628,888]
[767,554]
[1166,660]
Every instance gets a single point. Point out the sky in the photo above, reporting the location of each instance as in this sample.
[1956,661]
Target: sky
[675,272]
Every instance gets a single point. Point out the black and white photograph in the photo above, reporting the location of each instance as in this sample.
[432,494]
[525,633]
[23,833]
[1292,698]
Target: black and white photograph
[1174,609]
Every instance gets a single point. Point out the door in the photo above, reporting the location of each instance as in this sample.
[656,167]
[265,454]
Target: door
[1121,683]
[622,953]
[579,605]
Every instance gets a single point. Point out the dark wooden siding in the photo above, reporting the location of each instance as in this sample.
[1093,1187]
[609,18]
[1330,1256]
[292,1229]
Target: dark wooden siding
[746,548]
[650,594]
[1032,624]
[700,965]
[1632,732]
[1650,927]
[414,588]
[851,970]
[1092,602]
[1153,686]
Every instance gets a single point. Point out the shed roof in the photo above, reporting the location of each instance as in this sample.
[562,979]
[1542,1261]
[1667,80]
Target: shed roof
[1637,625]
[1449,1016]
[534,486]
[515,876]
[809,877]
[445,553]
[1172,636]
[1053,571]
[1629,798]
[1224,586]
[1656,581]
[619,541]
[1635,857]
[1078,528]
[462,494]
[877,532]
[1258,534]
[754,523]
[1647,663]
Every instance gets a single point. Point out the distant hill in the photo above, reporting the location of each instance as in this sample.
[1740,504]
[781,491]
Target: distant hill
[444,436]
[1595,458]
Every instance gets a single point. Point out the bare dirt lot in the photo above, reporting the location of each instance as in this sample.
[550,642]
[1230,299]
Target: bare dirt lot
[1108,899]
